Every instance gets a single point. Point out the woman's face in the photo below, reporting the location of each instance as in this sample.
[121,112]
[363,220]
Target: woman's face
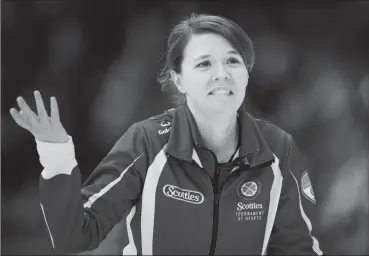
[214,76]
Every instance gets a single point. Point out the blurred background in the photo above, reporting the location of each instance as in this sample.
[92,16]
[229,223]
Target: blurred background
[100,60]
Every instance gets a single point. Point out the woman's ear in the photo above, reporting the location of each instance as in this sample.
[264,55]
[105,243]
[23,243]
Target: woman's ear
[177,79]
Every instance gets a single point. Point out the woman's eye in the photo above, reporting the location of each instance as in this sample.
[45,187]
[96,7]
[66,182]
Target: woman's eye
[233,61]
[203,64]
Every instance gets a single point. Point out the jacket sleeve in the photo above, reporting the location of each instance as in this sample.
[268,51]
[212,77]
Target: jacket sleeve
[79,217]
[293,230]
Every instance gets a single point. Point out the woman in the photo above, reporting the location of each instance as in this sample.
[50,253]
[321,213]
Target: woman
[204,178]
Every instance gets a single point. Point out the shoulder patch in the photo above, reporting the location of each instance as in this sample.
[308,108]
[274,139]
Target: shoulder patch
[307,188]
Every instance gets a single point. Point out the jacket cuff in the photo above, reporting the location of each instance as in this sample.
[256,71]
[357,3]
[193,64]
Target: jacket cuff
[56,158]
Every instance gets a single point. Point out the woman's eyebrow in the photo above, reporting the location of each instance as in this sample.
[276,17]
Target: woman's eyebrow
[233,52]
[204,56]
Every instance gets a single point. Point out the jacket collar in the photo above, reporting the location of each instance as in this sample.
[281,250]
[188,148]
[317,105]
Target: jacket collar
[184,136]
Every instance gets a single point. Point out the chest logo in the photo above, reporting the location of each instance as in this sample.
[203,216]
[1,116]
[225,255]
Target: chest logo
[185,195]
[249,189]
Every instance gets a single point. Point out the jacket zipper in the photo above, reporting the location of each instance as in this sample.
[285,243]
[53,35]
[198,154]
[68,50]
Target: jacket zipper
[216,191]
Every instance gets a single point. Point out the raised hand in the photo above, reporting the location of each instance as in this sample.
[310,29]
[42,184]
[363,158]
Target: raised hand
[43,127]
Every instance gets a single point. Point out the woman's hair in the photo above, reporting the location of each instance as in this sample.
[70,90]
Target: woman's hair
[200,24]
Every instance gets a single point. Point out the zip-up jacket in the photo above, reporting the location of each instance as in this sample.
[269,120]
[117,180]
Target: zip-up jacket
[175,196]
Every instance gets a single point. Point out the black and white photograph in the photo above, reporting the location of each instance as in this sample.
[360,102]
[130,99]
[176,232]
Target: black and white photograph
[184,127]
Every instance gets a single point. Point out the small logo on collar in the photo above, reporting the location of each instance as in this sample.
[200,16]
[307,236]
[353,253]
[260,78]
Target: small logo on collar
[165,124]
[166,130]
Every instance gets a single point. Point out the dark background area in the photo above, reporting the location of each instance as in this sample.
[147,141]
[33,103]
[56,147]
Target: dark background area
[100,60]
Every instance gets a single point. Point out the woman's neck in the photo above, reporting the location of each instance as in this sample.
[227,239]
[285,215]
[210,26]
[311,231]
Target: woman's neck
[219,133]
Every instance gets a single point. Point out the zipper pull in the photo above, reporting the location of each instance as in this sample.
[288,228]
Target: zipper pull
[217,197]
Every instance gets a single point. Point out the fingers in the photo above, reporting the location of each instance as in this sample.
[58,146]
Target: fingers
[29,114]
[20,119]
[27,119]
[41,111]
[54,109]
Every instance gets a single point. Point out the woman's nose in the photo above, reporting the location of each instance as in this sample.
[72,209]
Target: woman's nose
[221,73]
